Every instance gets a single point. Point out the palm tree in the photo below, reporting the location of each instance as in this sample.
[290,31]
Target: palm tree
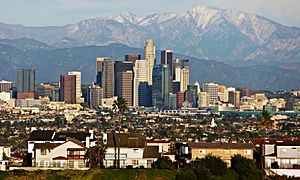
[119,106]
[95,155]
[265,123]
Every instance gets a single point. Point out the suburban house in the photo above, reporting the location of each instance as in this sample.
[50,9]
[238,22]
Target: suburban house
[47,148]
[133,150]
[284,151]
[225,151]
[50,136]
[69,154]
[286,154]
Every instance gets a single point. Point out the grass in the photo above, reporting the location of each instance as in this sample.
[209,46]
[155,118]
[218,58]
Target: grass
[93,174]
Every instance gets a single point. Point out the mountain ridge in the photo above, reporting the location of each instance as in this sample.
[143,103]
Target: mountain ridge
[50,63]
[202,32]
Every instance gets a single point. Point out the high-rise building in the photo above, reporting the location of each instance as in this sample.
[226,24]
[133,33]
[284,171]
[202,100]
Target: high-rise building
[140,80]
[160,86]
[150,58]
[6,86]
[46,90]
[191,95]
[176,87]
[105,76]
[68,88]
[132,57]
[234,98]
[173,101]
[182,73]
[167,59]
[125,86]
[180,99]
[212,91]
[78,85]
[26,83]
[203,100]
[121,66]
[94,96]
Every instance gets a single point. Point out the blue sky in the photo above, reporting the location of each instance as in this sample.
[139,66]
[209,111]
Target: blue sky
[60,12]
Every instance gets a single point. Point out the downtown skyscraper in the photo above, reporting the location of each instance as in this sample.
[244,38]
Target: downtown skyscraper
[149,51]
[140,82]
[160,86]
[68,89]
[105,76]
[26,83]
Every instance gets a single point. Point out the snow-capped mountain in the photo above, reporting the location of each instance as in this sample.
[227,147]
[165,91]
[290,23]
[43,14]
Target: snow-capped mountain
[202,32]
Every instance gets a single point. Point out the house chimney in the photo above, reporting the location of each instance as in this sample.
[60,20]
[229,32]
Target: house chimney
[104,138]
[87,141]
[91,131]
[160,148]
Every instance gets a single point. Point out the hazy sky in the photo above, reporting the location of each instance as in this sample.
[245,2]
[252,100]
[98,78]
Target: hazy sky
[60,12]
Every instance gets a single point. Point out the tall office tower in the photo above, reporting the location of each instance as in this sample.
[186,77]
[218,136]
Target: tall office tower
[182,73]
[160,86]
[177,71]
[121,66]
[234,98]
[94,96]
[6,86]
[26,83]
[203,100]
[212,92]
[105,76]
[140,81]
[68,88]
[226,93]
[173,101]
[149,51]
[167,58]
[125,86]
[191,94]
[184,79]
[176,87]
[78,84]
[197,84]
[180,99]
[132,57]
[245,92]
[191,97]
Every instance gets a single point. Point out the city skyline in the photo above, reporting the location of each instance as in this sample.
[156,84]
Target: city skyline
[62,12]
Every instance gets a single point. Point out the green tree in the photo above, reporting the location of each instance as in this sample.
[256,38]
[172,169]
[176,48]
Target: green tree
[265,123]
[163,163]
[119,106]
[95,155]
[215,165]
[245,168]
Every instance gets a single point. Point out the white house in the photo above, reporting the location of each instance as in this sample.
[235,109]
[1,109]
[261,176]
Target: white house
[133,150]
[286,154]
[50,136]
[69,154]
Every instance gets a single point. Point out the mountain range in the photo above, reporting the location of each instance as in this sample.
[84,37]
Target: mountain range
[203,32]
[224,46]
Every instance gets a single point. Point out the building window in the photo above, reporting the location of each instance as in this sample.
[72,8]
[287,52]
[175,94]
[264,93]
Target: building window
[247,152]
[43,151]
[202,151]
[135,162]
[71,164]
[293,161]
